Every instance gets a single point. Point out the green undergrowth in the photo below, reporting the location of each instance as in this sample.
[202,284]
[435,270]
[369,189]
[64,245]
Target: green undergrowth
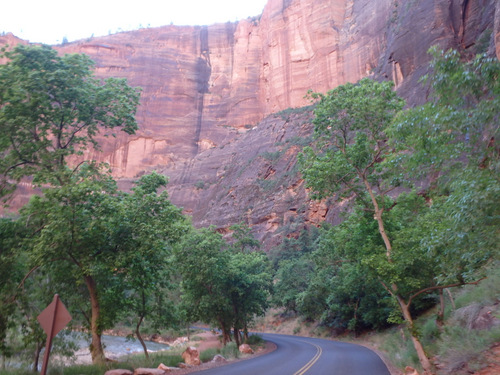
[169,358]
[457,346]
[230,351]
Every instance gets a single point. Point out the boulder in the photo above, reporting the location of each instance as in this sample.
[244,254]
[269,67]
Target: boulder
[149,371]
[219,359]
[245,349]
[118,372]
[191,356]
[163,367]
[410,371]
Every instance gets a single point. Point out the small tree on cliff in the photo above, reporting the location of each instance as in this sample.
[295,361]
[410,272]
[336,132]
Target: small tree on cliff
[51,107]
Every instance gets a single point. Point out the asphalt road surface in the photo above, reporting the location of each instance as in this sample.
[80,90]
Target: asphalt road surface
[301,355]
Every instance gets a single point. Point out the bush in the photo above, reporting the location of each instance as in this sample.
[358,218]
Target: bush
[209,354]
[255,340]
[399,348]
[230,351]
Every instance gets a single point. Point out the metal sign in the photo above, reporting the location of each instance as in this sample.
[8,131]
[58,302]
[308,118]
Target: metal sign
[52,319]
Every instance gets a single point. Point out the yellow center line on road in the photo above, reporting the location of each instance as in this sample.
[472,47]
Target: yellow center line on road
[314,359]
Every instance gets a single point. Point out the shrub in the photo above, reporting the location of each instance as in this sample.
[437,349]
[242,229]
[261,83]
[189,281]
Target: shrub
[255,340]
[230,351]
[209,354]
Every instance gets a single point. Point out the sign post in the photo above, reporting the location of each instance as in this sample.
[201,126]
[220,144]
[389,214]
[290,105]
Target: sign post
[52,319]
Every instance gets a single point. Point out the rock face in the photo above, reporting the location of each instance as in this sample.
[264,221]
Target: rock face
[205,88]
[202,85]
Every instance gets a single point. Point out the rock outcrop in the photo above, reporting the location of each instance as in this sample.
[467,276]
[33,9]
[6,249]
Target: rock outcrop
[205,89]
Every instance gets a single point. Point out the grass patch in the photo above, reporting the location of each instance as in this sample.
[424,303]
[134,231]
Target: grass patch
[209,354]
[169,358]
[286,113]
[271,156]
[460,347]
[255,340]
[399,348]
[230,351]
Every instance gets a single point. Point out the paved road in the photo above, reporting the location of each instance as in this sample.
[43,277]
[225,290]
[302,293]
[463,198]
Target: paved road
[300,356]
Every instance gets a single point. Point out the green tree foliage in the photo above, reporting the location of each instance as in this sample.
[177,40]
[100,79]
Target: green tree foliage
[12,270]
[453,141]
[292,278]
[353,159]
[100,245]
[203,267]
[51,107]
[353,297]
[243,239]
[249,285]
[293,248]
[350,142]
[222,285]
[149,225]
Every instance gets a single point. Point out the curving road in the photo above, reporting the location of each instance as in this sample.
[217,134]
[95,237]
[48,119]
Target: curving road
[301,355]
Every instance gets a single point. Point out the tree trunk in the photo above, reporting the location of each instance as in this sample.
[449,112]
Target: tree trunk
[139,337]
[226,335]
[96,350]
[424,361]
[237,336]
[440,315]
[36,358]
[451,299]
[378,217]
[236,324]
[245,331]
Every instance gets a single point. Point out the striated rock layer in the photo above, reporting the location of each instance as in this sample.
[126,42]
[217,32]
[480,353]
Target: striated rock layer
[205,87]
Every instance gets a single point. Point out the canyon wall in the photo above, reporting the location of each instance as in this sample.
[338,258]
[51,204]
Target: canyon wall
[206,88]
[202,85]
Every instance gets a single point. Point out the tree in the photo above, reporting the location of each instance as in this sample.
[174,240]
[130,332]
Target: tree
[51,107]
[12,269]
[243,239]
[222,285]
[203,266]
[249,285]
[73,227]
[292,278]
[353,297]
[350,146]
[149,226]
[453,141]
[88,234]
[437,237]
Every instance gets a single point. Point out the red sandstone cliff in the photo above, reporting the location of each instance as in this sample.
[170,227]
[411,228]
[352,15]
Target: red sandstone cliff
[204,87]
